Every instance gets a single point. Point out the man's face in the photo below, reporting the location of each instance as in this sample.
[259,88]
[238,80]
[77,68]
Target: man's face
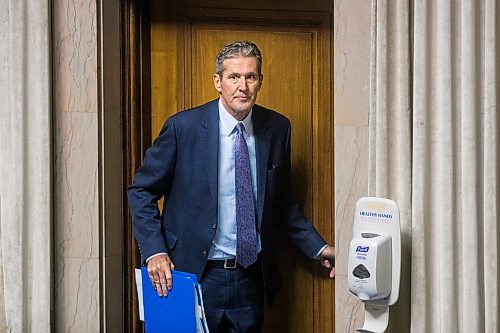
[239,85]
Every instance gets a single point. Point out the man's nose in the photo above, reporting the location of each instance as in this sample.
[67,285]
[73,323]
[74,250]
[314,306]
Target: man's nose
[243,84]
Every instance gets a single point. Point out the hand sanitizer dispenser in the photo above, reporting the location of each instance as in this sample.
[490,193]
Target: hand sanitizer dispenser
[375,260]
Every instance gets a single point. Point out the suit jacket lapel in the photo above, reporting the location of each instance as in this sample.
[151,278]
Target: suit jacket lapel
[262,144]
[209,133]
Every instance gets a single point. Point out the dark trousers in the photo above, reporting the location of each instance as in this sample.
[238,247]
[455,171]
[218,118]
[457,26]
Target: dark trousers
[233,299]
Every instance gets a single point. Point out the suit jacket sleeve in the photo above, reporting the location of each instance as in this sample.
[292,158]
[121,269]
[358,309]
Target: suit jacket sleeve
[152,181]
[287,212]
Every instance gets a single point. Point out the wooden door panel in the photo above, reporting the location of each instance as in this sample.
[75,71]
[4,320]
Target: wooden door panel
[296,68]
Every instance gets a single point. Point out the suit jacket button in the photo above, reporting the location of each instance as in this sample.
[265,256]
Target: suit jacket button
[205,252]
[214,226]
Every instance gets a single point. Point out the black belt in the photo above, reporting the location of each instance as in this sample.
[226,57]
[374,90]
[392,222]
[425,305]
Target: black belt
[226,263]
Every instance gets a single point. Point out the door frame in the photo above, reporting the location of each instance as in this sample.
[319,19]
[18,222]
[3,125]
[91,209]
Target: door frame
[136,80]
[129,72]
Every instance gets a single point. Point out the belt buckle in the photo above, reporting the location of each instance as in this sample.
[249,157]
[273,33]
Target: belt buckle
[233,263]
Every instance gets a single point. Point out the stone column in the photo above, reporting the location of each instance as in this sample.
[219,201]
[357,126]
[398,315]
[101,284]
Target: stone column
[76,168]
[25,167]
[352,28]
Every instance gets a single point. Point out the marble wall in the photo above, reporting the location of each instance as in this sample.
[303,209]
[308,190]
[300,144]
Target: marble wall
[352,42]
[76,152]
[25,166]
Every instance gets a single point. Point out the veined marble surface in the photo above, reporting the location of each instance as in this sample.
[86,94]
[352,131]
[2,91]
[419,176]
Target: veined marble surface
[76,185]
[75,55]
[77,295]
[25,167]
[76,149]
[351,183]
[352,43]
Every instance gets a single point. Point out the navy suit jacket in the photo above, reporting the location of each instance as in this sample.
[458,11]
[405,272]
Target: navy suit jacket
[182,167]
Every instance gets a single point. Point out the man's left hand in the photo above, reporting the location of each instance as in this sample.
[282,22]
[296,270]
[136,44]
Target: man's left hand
[327,258]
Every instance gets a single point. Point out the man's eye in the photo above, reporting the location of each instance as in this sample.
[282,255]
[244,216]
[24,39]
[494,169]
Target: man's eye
[233,77]
[252,78]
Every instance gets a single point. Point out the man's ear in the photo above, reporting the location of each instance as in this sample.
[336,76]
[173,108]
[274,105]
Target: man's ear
[217,82]
[261,77]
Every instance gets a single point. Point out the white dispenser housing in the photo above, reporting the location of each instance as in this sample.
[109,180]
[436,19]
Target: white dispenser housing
[374,262]
[370,266]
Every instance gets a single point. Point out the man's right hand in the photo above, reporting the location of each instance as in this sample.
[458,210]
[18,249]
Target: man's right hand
[160,273]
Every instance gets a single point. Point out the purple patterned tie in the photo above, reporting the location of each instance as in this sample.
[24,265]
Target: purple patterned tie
[246,239]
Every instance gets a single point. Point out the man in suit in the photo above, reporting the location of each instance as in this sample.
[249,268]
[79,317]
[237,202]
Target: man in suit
[223,169]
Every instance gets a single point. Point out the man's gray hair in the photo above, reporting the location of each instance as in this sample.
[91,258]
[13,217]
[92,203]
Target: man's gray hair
[237,49]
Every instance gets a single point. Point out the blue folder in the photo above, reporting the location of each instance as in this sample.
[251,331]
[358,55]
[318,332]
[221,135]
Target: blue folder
[180,312]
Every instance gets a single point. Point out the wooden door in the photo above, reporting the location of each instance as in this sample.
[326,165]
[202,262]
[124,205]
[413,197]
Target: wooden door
[296,49]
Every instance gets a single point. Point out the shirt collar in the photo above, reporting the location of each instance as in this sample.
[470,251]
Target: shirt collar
[227,123]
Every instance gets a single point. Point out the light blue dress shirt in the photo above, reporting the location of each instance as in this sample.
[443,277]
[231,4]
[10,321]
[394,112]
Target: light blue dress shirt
[224,242]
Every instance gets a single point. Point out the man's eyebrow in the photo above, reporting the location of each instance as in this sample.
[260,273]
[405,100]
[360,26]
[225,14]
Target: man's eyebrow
[240,74]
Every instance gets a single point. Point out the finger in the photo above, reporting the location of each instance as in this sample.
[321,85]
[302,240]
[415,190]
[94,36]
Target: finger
[165,283]
[157,287]
[165,275]
[326,263]
[151,277]
[151,270]
[163,288]
[157,284]
[332,273]
[168,277]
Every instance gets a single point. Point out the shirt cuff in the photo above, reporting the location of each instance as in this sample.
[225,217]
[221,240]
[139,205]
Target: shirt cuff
[155,255]
[315,257]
